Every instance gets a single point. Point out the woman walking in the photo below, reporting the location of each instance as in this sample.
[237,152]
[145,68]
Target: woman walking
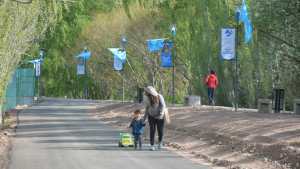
[155,113]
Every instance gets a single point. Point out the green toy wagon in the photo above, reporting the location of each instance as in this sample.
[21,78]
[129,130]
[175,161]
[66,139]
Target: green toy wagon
[126,140]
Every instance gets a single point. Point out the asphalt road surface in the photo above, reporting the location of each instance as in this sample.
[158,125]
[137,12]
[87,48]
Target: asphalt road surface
[61,134]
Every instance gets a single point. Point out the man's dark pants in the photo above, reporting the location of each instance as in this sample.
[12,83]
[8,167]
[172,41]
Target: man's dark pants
[211,92]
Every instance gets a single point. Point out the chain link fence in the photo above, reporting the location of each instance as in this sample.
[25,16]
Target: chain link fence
[20,90]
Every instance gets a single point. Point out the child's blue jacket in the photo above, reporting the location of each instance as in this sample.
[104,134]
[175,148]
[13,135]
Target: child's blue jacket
[137,126]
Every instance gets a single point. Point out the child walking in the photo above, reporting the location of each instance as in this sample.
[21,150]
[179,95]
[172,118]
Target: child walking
[137,124]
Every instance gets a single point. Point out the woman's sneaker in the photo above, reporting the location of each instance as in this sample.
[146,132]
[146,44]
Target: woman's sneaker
[160,146]
[152,148]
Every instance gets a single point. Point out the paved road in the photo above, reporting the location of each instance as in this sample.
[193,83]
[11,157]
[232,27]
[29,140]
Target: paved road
[60,134]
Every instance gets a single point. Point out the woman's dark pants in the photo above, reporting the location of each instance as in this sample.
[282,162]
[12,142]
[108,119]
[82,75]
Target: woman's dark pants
[156,124]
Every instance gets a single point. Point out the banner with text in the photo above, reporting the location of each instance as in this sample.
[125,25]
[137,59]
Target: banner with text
[228,36]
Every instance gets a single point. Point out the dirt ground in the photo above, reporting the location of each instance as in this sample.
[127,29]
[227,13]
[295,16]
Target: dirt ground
[4,149]
[222,138]
[6,135]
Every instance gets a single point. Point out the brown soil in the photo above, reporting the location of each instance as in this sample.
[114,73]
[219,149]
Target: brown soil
[5,137]
[223,138]
[4,149]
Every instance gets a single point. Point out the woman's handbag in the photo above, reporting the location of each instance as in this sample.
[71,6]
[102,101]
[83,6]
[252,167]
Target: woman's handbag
[167,116]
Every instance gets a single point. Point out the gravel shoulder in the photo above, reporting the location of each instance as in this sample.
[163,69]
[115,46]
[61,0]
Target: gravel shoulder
[221,137]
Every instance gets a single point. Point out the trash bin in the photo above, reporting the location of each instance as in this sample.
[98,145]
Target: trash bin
[140,94]
[192,101]
[278,100]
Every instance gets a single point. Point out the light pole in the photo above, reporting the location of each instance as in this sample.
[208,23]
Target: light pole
[173,31]
[37,67]
[41,58]
[86,76]
[82,68]
[123,46]
[236,93]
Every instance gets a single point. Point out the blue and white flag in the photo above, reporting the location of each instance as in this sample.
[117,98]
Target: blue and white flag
[37,66]
[119,58]
[85,54]
[228,36]
[166,58]
[81,66]
[248,31]
[35,61]
[243,17]
[155,45]
[243,12]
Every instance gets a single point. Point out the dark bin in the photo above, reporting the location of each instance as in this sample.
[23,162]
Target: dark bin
[278,100]
[140,94]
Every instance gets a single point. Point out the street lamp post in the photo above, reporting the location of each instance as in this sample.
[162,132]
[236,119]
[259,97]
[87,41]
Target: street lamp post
[173,31]
[41,58]
[82,68]
[236,93]
[37,72]
[85,73]
[123,46]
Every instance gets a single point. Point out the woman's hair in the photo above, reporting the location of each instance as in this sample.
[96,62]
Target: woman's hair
[212,72]
[153,99]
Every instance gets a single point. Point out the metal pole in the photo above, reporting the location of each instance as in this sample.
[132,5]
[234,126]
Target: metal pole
[173,75]
[38,87]
[123,88]
[85,79]
[40,68]
[236,64]
[2,113]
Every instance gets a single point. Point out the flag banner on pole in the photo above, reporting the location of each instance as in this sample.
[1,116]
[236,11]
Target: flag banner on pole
[119,53]
[166,55]
[155,45]
[243,12]
[119,58]
[37,69]
[35,61]
[166,58]
[244,18]
[248,31]
[85,54]
[80,69]
[228,43]
[37,66]
[81,66]
[118,64]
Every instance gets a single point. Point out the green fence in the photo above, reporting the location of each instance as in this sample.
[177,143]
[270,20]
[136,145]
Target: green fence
[20,90]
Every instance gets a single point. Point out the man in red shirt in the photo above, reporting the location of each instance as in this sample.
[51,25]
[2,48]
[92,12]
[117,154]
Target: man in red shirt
[212,82]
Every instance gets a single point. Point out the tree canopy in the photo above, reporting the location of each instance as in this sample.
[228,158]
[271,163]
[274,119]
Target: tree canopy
[64,28]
